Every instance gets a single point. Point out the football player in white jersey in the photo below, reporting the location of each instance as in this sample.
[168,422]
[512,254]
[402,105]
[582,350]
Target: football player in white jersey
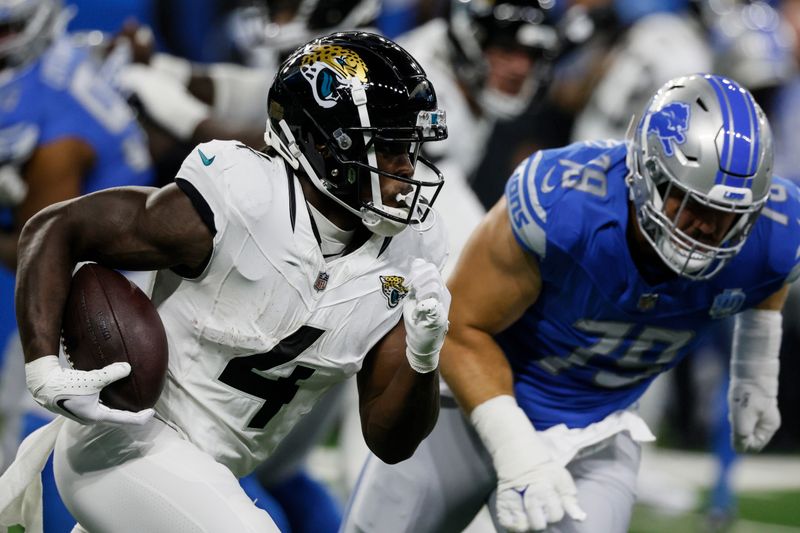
[279,275]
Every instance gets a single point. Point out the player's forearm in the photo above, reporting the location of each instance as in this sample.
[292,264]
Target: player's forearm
[474,367]
[44,269]
[395,422]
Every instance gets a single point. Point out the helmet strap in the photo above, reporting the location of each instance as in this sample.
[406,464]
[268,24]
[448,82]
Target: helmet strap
[290,152]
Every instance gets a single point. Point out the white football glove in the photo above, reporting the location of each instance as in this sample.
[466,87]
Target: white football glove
[532,489]
[755,367]
[165,100]
[76,393]
[753,414]
[425,316]
[13,188]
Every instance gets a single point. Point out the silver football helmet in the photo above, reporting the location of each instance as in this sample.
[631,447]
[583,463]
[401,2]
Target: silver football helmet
[704,141]
[27,27]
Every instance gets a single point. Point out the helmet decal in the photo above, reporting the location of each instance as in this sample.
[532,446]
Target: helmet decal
[330,67]
[360,96]
[670,124]
[738,144]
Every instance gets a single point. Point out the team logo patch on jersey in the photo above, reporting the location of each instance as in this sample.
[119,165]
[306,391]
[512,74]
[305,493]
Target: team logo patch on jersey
[670,124]
[330,68]
[727,303]
[647,301]
[393,289]
[322,281]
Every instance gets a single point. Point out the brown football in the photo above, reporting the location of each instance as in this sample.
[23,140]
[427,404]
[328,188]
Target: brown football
[108,319]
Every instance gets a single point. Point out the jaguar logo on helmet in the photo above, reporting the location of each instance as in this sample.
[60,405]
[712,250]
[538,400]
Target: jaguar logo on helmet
[328,69]
[393,289]
[670,124]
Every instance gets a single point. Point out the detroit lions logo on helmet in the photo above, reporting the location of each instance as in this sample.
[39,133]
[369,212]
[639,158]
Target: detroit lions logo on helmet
[393,289]
[670,124]
[328,69]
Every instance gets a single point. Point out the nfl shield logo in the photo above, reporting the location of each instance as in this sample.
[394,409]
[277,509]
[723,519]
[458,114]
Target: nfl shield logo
[322,281]
[647,301]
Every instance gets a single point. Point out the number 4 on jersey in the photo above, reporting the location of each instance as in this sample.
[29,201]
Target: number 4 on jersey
[240,373]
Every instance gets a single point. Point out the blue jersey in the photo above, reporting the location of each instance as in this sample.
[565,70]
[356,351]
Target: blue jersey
[61,95]
[599,333]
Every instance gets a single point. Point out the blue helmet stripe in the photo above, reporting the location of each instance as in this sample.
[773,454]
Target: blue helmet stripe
[722,99]
[755,134]
[740,145]
[744,125]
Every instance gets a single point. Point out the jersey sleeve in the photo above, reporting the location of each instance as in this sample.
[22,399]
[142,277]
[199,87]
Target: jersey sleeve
[202,178]
[557,198]
[781,216]
[526,213]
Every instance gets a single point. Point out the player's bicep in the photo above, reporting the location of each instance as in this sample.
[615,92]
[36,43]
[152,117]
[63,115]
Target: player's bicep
[775,301]
[381,364]
[495,280]
[141,228]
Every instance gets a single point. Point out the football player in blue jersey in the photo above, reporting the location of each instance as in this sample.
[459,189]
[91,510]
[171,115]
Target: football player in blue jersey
[602,266]
[63,132]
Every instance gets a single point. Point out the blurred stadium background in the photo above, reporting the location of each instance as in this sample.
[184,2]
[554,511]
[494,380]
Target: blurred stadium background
[617,52]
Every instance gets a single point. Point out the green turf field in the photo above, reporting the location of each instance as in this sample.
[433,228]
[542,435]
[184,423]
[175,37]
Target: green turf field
[759,512]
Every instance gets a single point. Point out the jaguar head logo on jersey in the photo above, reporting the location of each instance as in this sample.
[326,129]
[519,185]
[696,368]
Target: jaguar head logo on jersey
[393,289]
[330,68]
[727,303]
[670,124]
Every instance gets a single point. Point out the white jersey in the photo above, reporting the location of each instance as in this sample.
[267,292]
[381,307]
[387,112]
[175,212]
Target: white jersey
[269,326]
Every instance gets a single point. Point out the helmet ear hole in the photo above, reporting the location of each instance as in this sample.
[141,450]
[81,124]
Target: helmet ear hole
[652,169]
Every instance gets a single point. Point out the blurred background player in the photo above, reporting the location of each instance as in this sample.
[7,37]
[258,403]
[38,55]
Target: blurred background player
[64,132]
[492,60]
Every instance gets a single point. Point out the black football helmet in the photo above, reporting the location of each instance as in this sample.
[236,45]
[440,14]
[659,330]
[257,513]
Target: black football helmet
[28,27]
[528,25]
[338,100]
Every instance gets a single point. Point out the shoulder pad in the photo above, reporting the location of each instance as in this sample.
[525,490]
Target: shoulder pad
[231,178]
[568,177]
[780,222]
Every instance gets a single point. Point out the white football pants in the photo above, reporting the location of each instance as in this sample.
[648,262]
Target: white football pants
[450,477]
[127,479]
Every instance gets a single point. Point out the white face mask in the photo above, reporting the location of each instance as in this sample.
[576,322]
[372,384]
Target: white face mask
[383,226]
[682,259]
